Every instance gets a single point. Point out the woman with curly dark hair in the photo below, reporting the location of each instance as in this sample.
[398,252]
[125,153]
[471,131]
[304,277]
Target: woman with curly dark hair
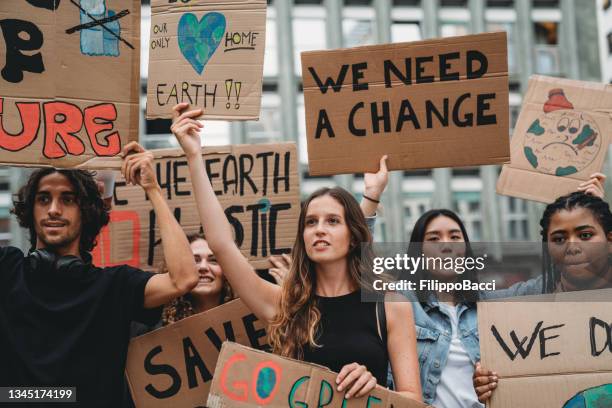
[211,291]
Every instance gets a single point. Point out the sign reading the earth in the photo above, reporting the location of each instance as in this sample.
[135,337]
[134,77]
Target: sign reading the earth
[560,138]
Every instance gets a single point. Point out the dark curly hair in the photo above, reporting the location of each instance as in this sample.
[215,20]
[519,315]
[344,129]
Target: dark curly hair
[182,307]
[94,212]
[598,207]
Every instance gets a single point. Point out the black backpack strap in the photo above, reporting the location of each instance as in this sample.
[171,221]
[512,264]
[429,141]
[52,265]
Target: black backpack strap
[381,319]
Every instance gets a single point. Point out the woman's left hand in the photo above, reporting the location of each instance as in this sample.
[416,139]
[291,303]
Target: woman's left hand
[358,378]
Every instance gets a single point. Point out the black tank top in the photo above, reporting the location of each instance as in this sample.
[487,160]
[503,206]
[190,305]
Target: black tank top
[348,333]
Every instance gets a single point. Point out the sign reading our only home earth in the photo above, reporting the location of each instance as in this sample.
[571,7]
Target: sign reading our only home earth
[207,54]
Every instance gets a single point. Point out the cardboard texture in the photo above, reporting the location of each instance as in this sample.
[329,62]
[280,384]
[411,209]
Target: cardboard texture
[250,378]
[69,85]
[208,54]
[173,366]
[549,350]
[561,137]
[435,103]
[257,185]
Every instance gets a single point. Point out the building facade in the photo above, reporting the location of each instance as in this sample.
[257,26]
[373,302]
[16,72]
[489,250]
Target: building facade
[550,37]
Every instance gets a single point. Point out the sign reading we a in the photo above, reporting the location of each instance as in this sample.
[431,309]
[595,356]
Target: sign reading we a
[69,80]
[207,54]
[435,103]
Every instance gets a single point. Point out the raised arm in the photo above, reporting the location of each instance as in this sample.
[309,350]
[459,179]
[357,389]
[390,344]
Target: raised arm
[182,274]
[375,184]
[260,296]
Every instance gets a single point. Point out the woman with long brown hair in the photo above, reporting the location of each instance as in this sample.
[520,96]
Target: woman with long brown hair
[317,315]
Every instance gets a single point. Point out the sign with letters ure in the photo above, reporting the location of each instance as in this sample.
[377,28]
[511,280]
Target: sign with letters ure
[69,80]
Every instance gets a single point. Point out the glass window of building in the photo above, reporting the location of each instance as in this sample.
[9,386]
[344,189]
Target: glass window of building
[405,31]
[271,51]
[514,218]
[508,27]
[358,26]
[268,127]
[308,32]
[546,38]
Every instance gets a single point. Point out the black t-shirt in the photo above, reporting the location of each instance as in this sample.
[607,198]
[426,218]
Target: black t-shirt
[69,328]
[348,333]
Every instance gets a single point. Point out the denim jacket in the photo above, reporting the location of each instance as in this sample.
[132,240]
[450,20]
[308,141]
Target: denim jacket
[434,335]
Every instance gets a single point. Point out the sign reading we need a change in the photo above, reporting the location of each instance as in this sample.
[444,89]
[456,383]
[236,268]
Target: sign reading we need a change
[207,54]
[69,80]
[435,103]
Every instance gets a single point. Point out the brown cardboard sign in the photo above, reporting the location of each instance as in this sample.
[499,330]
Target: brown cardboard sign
[69,84]
[251,378]
[560,139]
[208,54]
[257,185]
[559,343]
[435,103]
[173,366]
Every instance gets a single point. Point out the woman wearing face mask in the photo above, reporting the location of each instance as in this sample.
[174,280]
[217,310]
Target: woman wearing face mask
[577,236]
[317,315]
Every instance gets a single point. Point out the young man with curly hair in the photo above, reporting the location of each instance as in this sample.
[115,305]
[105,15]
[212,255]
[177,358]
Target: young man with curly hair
[63,321]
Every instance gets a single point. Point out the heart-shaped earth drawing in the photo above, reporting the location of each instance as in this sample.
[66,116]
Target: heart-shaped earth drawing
[198,40]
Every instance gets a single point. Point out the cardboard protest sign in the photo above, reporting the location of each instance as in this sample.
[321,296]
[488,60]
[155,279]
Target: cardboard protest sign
[70,81]
[208,54]
[250,378]
[435,103]
[173,366]
[562,349]
[560,139]
[257,185]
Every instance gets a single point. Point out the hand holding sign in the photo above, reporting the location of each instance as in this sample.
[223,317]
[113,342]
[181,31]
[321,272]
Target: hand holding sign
[358,378]
[375,183]
[485,381]
[137,167]
[186,128]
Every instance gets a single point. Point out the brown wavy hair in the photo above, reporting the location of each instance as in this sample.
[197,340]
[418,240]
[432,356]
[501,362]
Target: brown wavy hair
[94,212]
[296,324]
[182,307]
